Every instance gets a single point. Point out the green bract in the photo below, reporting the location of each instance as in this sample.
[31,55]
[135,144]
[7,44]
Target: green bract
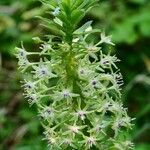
[75,86]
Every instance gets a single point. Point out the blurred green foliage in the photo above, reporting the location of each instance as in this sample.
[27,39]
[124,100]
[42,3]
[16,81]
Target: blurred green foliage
[129,23]
[18,23]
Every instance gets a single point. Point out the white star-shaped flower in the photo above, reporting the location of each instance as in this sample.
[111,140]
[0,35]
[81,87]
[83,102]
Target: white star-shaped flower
[106,39]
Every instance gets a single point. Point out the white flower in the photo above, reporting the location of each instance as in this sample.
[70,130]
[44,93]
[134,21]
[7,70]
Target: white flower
[47,113]
[65,94]
[121,121]
[68,141]
[107,61]
[45,48]
[32,98]
[21,53]
[81,114]
[29,86]
[98,126]
[106,39]
[23,63]
[91,51]
[92,48]
[73,130]
[103,106]
[56,11]
[52,139]
[90,141]
[95,83]
[22,56]
[85,72]
[116,107]
[42,71]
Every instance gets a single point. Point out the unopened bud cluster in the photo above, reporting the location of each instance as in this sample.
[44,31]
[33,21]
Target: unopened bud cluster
[75,85]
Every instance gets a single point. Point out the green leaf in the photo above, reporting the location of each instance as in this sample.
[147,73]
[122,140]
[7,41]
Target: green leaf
[77,15]
[45,20]
[58,21]
[83,28]
[63,18]
[54,29]
[91,4]
[76,4]
[66,8]
[88,32]
[44,2]
[83,4]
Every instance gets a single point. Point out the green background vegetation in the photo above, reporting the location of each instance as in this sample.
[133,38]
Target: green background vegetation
[129,23]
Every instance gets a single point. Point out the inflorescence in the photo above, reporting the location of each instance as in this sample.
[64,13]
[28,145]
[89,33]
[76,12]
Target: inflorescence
[75,85]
